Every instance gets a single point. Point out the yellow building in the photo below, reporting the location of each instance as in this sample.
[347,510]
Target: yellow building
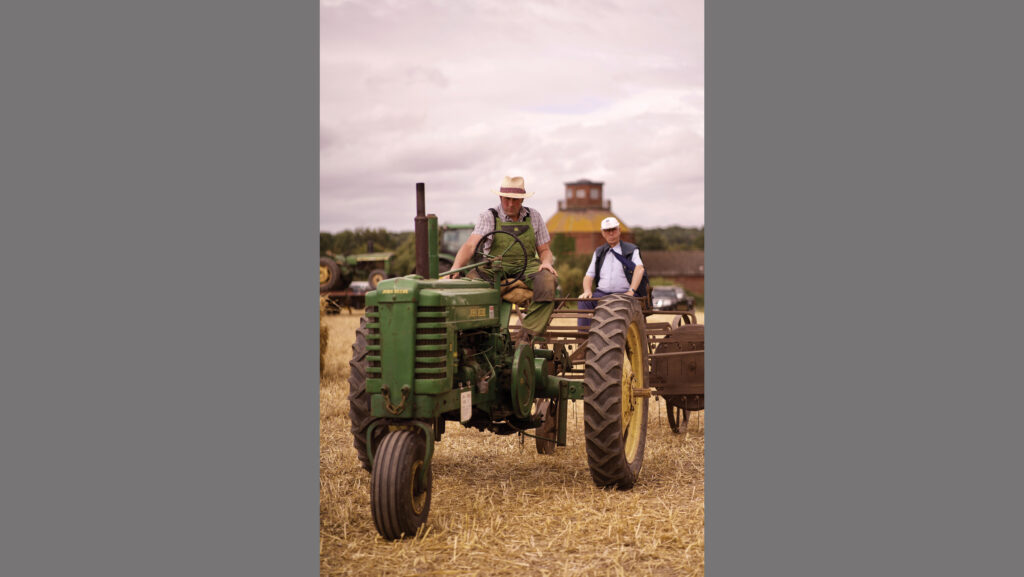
[580,214]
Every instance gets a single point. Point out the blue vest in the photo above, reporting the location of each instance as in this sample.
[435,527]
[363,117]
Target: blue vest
[628,266]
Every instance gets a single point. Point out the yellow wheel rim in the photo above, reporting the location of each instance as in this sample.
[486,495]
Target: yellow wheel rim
[418,499]
[325,273]
[632,378]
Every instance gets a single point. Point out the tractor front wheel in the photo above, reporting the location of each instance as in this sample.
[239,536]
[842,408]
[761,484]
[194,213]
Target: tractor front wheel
[376,275]
[614,394]
[399,501]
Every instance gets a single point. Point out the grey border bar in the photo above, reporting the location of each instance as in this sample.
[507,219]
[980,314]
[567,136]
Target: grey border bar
[863,271]
[159,169]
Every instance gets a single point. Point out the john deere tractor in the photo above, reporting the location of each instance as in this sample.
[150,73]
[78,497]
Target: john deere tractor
[337,272]
[451,237]
[430,351]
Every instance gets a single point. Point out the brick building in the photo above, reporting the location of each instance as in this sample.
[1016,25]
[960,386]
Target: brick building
[683,267]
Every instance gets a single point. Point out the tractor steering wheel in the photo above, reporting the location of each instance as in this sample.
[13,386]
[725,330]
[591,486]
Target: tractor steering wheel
[488,268]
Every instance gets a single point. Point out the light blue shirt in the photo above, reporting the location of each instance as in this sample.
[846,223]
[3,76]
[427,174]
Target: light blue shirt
[613,279]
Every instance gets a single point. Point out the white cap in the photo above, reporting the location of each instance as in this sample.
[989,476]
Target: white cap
[610,222]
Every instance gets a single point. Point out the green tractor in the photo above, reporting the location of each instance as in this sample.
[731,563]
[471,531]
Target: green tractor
[431,351]
[337,272]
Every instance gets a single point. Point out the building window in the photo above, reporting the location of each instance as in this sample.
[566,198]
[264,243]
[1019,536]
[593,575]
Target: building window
[594,193]
[568,193]
[580,193]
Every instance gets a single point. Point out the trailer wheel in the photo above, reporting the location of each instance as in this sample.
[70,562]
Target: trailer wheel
[359,399]
[548,429]
[400,503]
[330,274]
[376,275]
[615,420]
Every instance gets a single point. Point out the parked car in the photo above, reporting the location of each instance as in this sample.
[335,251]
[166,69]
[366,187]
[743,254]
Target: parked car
[360,287]
[667,298]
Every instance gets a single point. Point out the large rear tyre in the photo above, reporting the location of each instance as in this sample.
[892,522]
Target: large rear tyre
[330,274]
[400,503]
[359,399]
[615,419]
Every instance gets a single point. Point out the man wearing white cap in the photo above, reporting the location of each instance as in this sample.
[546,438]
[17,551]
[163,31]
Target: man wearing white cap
[621,274]
[528,226]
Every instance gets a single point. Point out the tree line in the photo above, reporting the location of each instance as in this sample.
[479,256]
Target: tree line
[571,267]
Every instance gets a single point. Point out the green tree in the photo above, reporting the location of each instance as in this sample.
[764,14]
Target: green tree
[669,238]
[344,242]
[405,256]
[326,242]
[562,245]
[570,280]
[649,239]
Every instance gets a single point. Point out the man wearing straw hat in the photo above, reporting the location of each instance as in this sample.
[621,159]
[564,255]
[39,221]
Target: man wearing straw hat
[527,224]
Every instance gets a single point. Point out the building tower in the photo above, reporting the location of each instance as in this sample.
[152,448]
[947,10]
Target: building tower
[580,214]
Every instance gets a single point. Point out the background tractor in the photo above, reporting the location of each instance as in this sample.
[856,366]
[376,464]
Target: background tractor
[429,351]
[451,237]
[337,272]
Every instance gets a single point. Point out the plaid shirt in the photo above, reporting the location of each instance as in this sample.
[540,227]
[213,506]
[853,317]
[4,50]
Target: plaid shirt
[485,224]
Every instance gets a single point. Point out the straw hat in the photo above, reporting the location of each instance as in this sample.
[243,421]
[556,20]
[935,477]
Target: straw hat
[513,187]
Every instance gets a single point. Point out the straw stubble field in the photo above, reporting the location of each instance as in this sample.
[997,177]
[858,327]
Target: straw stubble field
[500,509]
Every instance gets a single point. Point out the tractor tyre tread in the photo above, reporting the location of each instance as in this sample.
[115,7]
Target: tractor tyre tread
[359,399]
[391,486]
[602,410]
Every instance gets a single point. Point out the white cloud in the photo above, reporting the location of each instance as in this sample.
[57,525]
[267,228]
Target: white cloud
[459,94]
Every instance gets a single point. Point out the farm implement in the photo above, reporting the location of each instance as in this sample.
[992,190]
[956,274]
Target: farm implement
[430,350]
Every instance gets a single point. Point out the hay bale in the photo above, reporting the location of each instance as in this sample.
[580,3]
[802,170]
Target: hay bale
[324,335]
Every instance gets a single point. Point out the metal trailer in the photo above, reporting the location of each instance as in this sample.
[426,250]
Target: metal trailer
[675,354]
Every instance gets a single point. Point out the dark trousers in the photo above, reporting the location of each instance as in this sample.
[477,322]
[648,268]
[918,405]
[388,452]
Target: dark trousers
[589,305]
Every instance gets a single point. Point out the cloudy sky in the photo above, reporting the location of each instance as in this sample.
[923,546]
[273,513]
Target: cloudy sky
[459,93]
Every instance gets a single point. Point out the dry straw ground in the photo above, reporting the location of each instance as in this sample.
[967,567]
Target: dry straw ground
[500,509]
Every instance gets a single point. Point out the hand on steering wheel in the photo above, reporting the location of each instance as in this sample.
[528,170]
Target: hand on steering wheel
[492,262]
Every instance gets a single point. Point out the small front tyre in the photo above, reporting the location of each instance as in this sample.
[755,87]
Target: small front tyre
[400,503]
[376,275]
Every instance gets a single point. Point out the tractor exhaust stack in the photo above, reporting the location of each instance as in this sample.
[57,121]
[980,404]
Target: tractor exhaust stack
[422,258]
